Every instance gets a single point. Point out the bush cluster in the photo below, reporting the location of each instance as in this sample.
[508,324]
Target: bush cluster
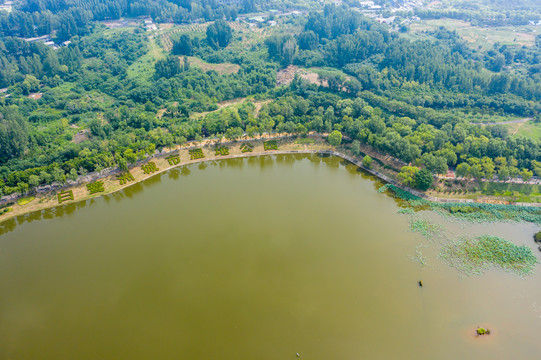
[270,145]
[95,187]
[26,200]
[196,154]
[125,177]
[149,168]
[64,196]
[247,147]
[222,150]
[173,159]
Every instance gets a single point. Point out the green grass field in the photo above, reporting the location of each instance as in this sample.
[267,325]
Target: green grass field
[517,192]
[143,69]
[528,129]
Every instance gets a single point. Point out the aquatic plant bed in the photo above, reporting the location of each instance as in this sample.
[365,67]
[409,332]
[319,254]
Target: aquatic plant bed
[247,147]
[25,200]
[270,145]
[428,229]
[196,154]
[474,256]
[478,212]
[149,168]
[222,150]
[125,177]
[95,187]
[173,159]
[473,212]
[400,194]
[65,196]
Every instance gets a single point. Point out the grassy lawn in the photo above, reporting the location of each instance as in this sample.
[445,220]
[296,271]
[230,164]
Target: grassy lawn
[143,69]
[484,118]
[529,129]
[221,68]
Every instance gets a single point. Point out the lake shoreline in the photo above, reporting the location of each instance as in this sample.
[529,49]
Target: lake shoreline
[49,199]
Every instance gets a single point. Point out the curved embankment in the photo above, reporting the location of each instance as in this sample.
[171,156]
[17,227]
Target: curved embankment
[49,199]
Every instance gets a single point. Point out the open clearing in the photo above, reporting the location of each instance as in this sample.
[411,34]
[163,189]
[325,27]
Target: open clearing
[143,68]
[528,129]
[224,104]
[221,68]
[481,36]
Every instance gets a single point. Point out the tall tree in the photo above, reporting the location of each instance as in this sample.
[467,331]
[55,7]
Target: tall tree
[219,34]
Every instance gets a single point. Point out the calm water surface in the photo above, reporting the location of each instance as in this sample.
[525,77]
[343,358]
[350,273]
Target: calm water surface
[256,258]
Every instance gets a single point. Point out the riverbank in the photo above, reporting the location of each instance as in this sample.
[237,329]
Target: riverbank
[163,162]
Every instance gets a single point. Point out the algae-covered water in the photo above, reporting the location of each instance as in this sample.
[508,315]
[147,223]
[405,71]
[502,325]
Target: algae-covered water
[256,258]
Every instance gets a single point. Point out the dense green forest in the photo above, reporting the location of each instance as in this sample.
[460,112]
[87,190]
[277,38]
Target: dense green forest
[98,108]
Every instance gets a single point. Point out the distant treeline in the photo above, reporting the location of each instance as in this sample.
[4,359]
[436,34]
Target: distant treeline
[68,18]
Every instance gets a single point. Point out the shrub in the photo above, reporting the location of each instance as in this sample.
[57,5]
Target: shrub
[149,168]
[25,200]
[247,147]
[196,154]
[173,159]
[95,187]
[125,177]
[270,145]
[65,196]
[367,162]
[5,210]
[222,150]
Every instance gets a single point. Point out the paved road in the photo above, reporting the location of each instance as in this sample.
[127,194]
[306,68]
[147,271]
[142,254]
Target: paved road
[505,122]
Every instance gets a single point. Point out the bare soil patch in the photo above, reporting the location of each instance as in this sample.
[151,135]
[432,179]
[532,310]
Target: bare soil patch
[221,68]
[286,76]
[81,136]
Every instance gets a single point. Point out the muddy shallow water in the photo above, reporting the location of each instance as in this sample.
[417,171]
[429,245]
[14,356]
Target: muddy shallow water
[256,258]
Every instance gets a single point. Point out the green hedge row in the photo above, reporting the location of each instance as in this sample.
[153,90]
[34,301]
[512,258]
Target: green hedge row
[222,150]
[125,177]
[270,145]
[95,187]
[64,196]
[196,154]
[247,147]
[149,168]
[173,159]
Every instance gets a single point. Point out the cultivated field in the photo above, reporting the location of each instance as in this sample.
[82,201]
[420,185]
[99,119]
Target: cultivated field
[483,37]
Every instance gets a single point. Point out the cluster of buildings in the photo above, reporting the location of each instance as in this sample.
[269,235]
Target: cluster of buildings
[149,25]
[47,40]
[268,18]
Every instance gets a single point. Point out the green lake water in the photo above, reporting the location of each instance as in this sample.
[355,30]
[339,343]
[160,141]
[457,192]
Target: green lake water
[255,258]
